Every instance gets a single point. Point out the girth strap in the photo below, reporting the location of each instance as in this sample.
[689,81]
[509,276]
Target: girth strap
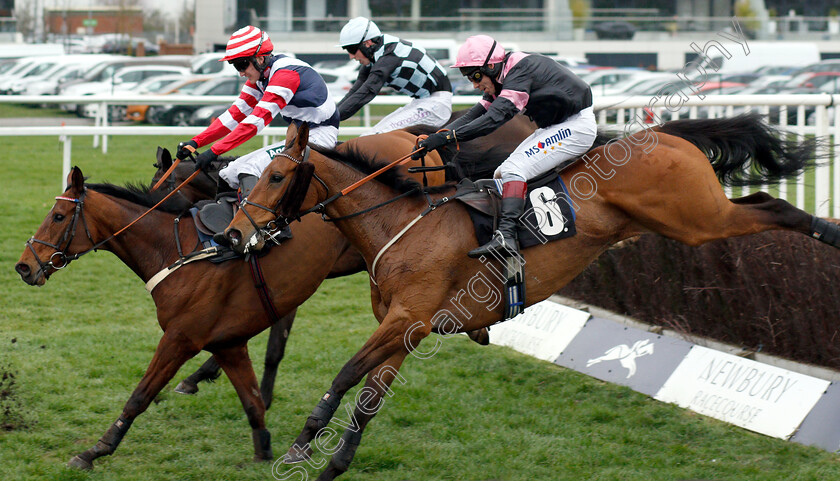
[262,290]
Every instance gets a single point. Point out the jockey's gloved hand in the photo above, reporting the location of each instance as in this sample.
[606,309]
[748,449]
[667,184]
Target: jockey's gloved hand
[183,152]
[432,142]
[204,160]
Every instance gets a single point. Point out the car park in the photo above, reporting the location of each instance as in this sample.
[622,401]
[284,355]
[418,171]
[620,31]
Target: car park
[182,86]
[105,70]
[45,81]
[123,79]
[179,114]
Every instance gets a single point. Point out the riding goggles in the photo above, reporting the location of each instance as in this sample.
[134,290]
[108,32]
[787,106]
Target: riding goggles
[351,49]
[240,64]
[472,73]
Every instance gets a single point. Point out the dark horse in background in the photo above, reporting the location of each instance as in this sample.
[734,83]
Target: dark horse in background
[475,160]
[665,180]
[201,306]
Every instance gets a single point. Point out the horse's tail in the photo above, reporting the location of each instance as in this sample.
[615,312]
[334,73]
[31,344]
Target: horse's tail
[744,150]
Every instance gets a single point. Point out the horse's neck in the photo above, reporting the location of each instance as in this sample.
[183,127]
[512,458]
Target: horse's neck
[146,247]
[368,232]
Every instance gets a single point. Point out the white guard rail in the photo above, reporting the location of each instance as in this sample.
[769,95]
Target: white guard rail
[799,115]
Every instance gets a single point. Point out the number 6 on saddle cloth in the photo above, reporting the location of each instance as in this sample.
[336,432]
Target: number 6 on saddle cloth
[548,212]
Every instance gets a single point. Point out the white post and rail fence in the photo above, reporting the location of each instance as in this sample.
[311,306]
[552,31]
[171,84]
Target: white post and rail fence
[798,115]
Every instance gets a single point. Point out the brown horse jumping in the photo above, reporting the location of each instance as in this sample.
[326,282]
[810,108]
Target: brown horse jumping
[201,306]
[655,181]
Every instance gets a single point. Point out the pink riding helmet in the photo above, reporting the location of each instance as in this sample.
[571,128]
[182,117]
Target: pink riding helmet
[474,52]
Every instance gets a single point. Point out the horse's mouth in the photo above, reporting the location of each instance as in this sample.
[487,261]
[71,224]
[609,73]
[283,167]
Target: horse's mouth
[254,243]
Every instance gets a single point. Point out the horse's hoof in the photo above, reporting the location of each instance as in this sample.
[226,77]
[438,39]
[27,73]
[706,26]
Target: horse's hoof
[481,336]
[79,463]
[185,387]
[294,457]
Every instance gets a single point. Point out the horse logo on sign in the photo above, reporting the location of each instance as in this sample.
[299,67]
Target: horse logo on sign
[625,355]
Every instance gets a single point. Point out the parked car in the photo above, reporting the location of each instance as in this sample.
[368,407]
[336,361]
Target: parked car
[602,79]
[32,69]
[185,85]
[46,82]
[615,31]
[460,84]
[641,77]
[338,81]
[204,116]
[828,82]
[179,114]
[123,80]
[106,69]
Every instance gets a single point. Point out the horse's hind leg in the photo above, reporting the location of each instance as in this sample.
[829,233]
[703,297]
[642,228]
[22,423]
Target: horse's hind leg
[209,371]
[694,210]
[172,352]
[237,365]
[277,337]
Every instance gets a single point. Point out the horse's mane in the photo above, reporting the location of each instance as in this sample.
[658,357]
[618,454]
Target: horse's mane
[350,156]
[139,194]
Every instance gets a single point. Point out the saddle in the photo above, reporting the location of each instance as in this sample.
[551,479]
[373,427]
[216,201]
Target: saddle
[548,212]
[213,216]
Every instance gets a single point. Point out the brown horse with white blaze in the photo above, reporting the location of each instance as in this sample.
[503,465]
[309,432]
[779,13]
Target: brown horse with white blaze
[664,182]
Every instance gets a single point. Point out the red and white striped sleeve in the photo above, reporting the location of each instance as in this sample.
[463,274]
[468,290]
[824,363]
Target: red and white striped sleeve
[228,121]
[261,110]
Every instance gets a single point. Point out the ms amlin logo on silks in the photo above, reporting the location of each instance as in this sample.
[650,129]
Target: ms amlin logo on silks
[549,143]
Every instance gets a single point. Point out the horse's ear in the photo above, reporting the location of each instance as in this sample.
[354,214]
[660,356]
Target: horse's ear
[291,134]
[301,138]
[164,158]
[76,181]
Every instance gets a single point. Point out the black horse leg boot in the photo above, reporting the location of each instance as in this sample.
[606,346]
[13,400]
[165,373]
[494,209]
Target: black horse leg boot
[246,184]
[505,240]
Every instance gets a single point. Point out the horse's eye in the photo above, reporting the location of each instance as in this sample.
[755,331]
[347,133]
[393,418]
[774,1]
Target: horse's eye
[276,177]
[58,218]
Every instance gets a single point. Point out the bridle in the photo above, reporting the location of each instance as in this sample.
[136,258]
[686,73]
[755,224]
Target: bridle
[59,260]
[273,225]
[70,233]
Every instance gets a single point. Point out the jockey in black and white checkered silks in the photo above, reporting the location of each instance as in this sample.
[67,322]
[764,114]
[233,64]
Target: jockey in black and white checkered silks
[388,61]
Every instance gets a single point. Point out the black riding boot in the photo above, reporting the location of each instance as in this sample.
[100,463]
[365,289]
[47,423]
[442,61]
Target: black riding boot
[246,184]
[505,240]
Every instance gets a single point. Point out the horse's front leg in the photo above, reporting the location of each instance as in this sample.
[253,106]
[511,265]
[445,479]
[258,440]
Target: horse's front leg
[277,338]
[369,400]
[172,352]
[392,337]
[237,365]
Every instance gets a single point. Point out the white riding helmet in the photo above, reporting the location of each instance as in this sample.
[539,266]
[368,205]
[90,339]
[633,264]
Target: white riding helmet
[357,31]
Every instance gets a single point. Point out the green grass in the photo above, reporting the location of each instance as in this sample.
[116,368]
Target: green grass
[79,345]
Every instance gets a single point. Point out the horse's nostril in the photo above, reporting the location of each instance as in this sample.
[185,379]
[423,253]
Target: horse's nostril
[234,236]
[22,269]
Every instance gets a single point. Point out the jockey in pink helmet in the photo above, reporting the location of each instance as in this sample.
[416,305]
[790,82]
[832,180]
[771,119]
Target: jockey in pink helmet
[558,101]
[277,85]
